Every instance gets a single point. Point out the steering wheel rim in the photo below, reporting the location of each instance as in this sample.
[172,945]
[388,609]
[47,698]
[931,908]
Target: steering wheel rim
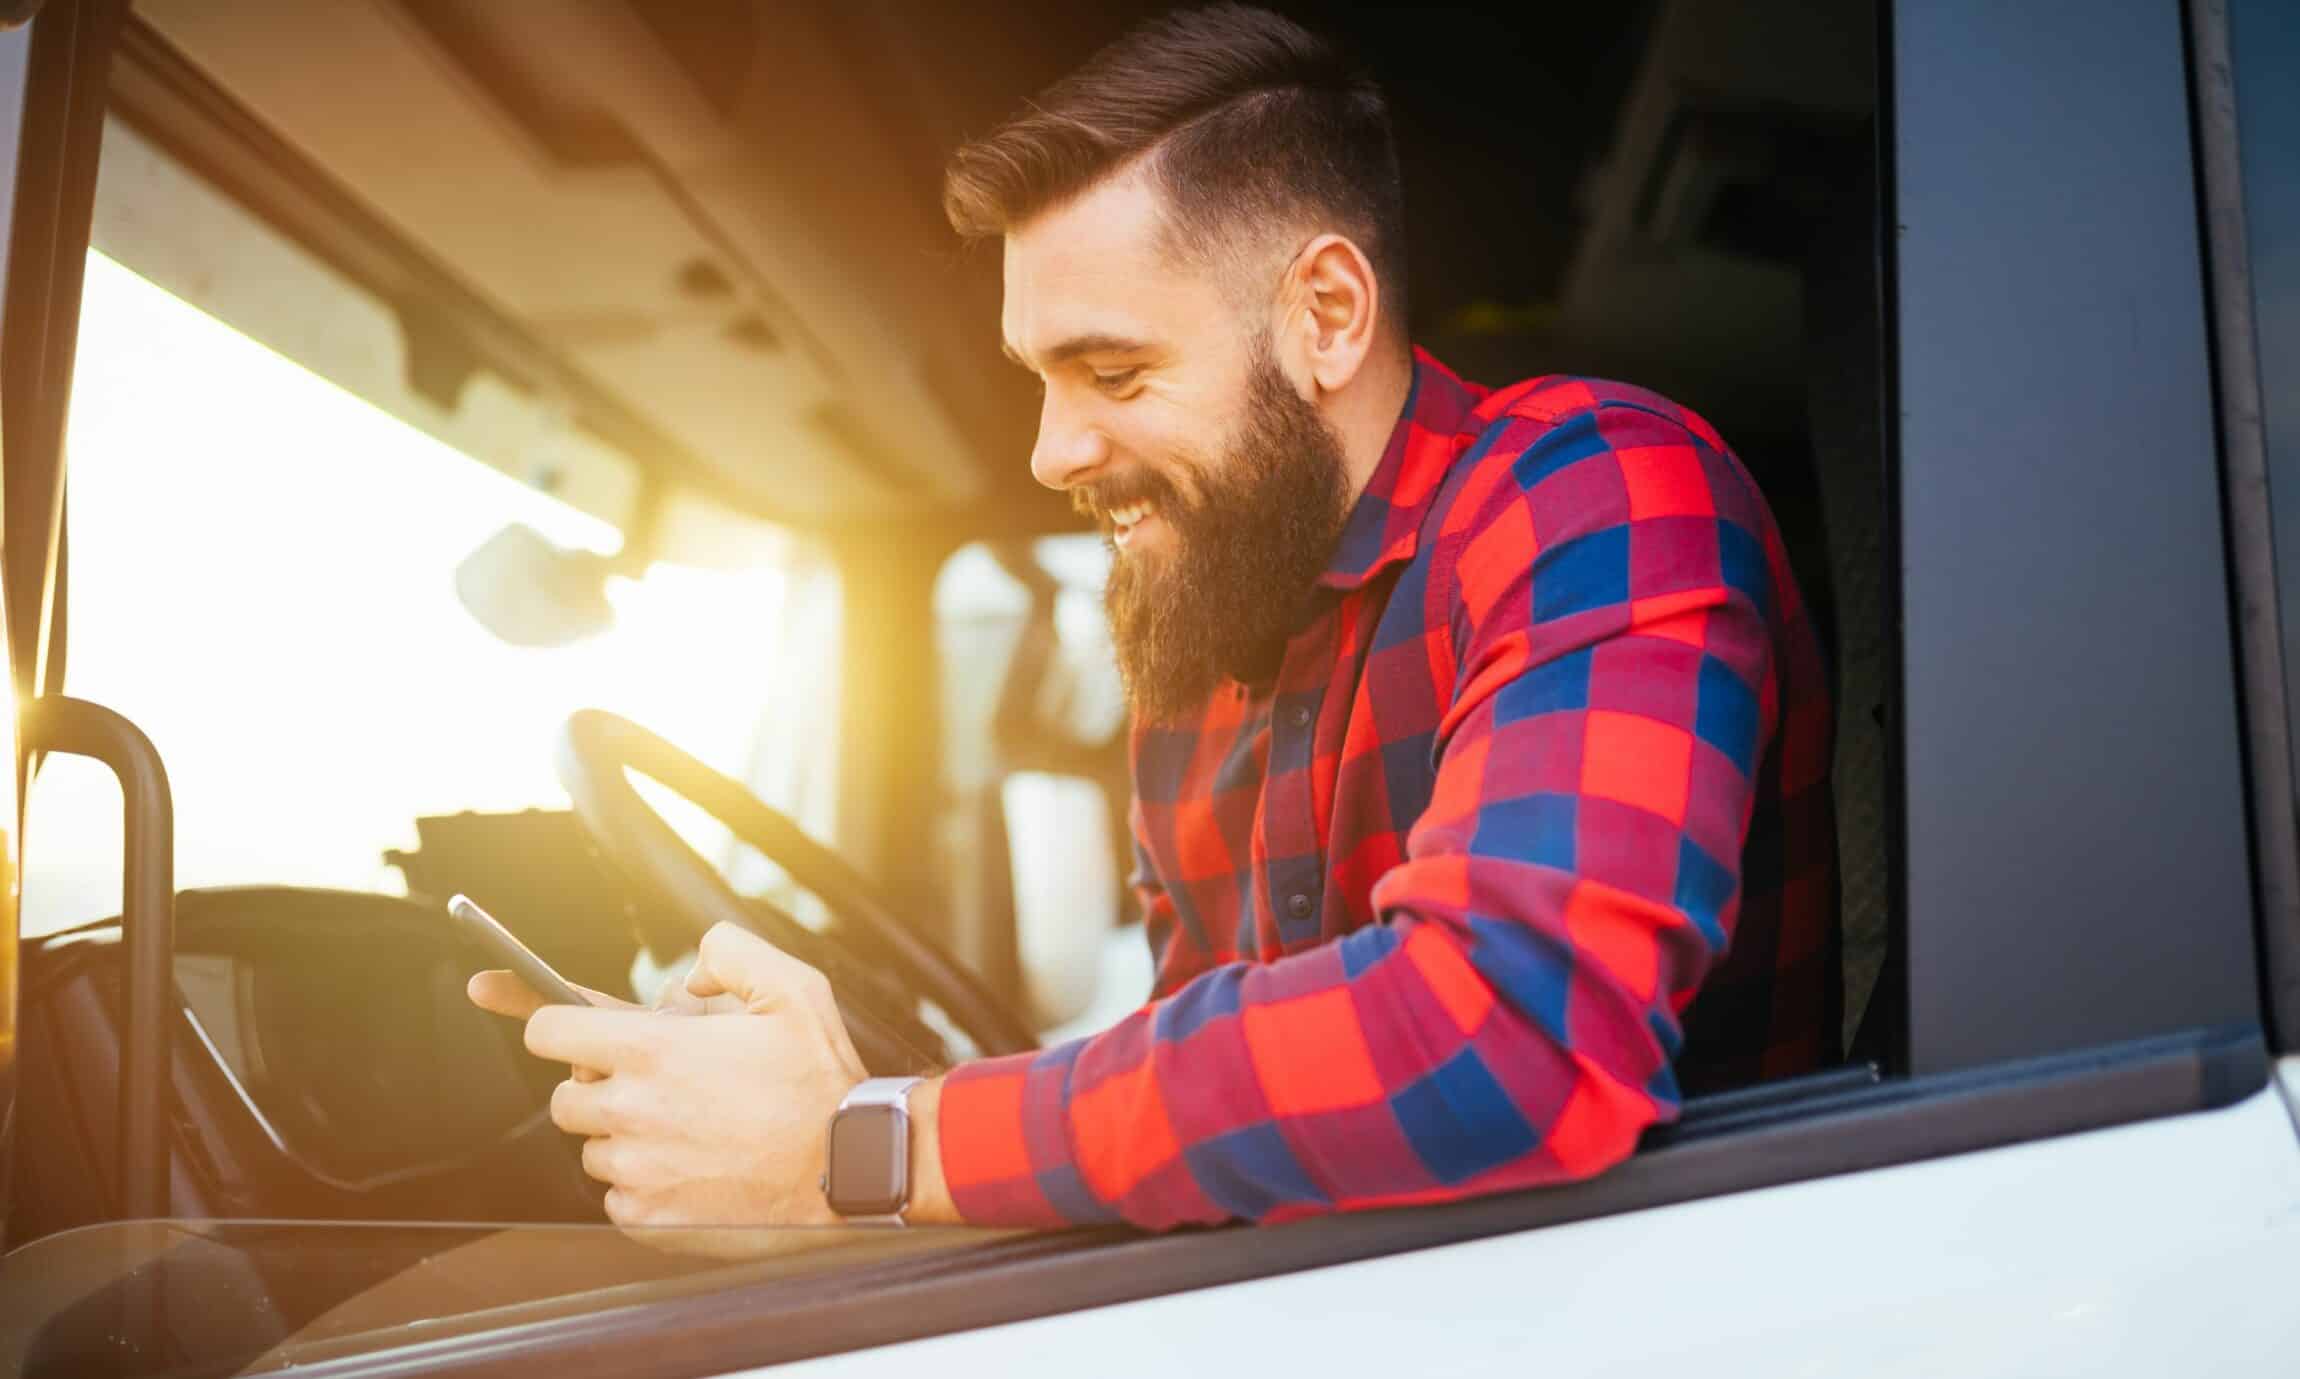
[597,749]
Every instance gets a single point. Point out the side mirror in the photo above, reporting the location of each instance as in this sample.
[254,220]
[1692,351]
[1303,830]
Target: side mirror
[530,592]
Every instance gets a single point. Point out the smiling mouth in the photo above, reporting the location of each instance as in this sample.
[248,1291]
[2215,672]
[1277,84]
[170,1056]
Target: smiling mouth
[1124,522]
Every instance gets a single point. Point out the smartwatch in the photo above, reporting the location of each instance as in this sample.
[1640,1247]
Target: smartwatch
[868,1177]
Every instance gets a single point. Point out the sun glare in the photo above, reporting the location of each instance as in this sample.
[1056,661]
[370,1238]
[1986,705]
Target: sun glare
[261,578]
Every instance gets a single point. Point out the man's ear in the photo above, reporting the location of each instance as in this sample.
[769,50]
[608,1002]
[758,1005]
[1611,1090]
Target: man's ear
[1332,314]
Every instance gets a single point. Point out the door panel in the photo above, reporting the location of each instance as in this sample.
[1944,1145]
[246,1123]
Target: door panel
[2148,1249]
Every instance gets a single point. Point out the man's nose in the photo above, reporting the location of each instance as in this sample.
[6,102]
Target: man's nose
[1068,448]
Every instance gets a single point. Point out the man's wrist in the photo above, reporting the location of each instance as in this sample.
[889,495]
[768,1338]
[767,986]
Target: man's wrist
[930,1201]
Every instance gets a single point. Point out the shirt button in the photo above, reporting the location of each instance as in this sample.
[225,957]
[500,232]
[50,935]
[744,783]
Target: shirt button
[1300,715]
[1298,905]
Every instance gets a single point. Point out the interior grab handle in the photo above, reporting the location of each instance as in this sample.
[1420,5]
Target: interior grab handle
[75,727]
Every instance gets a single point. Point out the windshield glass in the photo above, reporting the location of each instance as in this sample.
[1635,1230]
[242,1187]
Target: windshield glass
[263,579]
[217,1297]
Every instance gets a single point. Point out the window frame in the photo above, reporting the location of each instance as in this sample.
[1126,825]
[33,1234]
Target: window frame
[2253,573]
[2071,808]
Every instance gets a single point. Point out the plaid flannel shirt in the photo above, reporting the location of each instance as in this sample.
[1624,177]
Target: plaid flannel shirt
[1548,760]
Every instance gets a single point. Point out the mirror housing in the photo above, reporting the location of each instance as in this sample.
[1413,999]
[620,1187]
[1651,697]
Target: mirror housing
[530,592]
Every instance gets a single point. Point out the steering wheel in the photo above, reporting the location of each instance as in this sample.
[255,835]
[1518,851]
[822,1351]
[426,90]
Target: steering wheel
[877,966]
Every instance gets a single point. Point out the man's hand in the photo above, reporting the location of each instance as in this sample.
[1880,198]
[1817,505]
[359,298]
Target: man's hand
[502,992]
[722,1119]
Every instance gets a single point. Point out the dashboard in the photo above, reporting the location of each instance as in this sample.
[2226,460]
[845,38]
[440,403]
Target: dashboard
[325,1065]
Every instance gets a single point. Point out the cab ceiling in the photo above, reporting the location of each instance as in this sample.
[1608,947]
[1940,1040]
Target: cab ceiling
[726,212]
[698,206]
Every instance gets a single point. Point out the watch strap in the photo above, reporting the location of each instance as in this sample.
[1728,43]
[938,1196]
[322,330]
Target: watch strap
[881,1091]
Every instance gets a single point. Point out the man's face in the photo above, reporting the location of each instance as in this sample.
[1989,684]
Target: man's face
[1168,420]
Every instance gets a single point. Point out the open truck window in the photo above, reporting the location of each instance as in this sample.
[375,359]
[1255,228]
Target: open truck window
[399,579]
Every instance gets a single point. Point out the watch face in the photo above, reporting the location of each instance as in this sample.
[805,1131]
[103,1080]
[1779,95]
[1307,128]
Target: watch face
[869,1161]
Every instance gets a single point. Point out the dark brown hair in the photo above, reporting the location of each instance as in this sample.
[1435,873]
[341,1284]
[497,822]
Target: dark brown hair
[1252,124]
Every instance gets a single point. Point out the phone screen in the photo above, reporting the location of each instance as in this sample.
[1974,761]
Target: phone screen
[483,929]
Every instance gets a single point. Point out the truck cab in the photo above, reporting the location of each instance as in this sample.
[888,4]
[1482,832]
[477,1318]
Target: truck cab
[557,454]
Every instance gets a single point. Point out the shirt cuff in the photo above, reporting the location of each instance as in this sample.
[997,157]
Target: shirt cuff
[1004,1132]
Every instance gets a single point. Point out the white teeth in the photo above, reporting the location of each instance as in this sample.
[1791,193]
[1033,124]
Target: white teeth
[1129,515]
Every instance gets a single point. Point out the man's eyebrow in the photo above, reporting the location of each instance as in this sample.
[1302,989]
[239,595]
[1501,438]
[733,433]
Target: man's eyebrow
[1076,345]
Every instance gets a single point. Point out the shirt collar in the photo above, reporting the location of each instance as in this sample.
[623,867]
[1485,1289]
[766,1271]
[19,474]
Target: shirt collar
[1386,525]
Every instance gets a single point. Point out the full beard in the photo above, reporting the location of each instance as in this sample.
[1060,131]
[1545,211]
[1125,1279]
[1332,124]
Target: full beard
[1248,548]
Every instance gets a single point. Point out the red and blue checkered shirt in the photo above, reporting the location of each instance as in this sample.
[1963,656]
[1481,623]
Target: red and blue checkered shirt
[1530,833]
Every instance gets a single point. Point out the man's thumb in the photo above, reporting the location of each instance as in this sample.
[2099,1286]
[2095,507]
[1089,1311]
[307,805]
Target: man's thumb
[734,962]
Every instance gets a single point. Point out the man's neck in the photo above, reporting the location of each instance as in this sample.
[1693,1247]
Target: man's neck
[1366,415]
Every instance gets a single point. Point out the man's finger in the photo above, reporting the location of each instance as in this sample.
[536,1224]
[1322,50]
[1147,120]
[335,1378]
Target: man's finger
[599,1158]
[608,1040]
[582,1108]
[676,999]
[733,961]
[502,993]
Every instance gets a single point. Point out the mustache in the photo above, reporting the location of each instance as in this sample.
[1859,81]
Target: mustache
[1097,499]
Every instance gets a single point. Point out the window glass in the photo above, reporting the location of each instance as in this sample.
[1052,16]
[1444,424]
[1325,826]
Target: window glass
[1035,726]
[263,579]
[2264,40]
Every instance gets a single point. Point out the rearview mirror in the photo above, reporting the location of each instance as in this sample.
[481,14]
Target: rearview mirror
[530,592]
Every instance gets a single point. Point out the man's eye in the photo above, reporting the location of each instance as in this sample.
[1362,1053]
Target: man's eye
[1113,381]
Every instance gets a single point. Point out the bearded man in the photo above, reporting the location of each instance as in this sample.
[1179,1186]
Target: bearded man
[1480,745]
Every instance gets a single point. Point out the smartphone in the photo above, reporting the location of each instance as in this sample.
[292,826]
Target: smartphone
[484,930]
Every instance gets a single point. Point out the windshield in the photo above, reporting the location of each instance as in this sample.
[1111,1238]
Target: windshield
[262,578]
